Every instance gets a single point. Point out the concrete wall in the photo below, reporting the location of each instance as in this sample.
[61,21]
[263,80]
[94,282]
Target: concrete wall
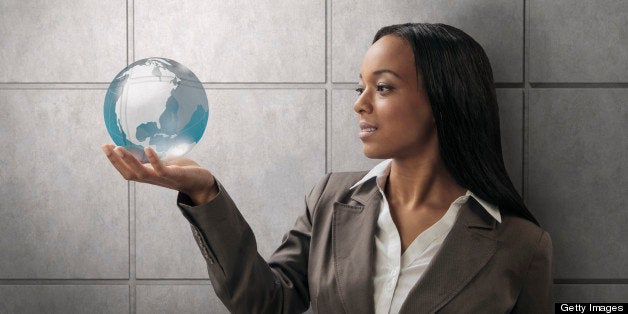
[76,237]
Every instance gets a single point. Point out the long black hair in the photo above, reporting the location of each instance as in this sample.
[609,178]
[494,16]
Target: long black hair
[459,82]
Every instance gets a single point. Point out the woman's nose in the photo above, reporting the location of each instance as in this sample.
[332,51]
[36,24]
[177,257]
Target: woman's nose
[362,104]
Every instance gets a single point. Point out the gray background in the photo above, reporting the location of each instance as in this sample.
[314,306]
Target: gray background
[76,237]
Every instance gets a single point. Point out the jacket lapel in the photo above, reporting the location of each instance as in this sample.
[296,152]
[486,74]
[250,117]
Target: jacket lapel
[353,235]
[468,247]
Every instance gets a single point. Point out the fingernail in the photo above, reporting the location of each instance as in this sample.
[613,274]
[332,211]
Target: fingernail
[118,152]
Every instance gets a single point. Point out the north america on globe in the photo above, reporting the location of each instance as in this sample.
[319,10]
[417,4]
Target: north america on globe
[157,103]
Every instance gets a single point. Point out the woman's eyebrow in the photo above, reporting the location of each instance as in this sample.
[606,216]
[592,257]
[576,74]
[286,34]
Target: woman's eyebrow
[382,71]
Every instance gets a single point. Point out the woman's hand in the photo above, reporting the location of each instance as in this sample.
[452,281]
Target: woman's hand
[181,174]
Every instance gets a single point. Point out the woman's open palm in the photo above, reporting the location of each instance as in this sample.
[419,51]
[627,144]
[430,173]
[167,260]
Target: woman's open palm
[181,174]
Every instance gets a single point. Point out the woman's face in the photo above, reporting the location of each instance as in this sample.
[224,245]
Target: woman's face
[394,111]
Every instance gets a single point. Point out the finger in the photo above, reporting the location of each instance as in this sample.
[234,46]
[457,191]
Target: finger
[170,176]
[166,176]
[158,166]
[116,160]
[139,171]
[108,149]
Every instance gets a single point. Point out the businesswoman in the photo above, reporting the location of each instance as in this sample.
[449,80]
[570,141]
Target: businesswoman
[436,227]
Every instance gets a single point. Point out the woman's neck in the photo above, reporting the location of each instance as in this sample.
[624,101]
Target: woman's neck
[421,184]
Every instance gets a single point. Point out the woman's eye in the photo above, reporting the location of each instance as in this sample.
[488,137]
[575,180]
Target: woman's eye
[380,88]
[384,88]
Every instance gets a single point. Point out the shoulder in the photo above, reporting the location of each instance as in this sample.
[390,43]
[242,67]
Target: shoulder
[529,252]
[522,235]
[333,185]
[344,180]
[517,227]
[337,181]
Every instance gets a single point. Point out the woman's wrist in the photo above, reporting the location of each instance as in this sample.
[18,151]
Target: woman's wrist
[203,195]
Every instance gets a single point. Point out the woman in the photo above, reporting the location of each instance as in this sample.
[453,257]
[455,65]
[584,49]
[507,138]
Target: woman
[437,227]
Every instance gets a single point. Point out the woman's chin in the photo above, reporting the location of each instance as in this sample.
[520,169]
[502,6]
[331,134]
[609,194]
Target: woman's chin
[373,154]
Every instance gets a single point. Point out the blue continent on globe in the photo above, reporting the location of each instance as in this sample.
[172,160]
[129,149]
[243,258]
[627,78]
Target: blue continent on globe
[157,103]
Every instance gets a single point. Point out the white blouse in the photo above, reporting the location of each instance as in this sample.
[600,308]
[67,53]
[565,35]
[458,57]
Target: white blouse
[396,273]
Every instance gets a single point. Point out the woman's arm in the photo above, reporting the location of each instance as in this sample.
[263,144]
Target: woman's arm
[241,278]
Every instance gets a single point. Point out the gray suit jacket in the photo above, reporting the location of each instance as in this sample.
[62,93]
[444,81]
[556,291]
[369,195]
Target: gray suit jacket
[327,259]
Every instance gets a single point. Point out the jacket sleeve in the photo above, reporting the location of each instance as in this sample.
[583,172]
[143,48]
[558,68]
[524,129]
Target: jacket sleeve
[241,278]
[536,294]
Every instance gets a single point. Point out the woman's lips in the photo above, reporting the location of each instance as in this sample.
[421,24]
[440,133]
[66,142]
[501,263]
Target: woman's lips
[366,130]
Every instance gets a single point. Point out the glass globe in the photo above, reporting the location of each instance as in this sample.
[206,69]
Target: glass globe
[157,103]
